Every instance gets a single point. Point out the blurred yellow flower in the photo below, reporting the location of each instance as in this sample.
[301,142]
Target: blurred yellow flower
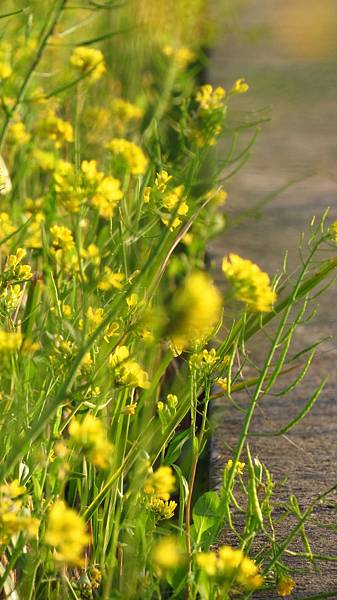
[66,532]
[131,154]
[89,61]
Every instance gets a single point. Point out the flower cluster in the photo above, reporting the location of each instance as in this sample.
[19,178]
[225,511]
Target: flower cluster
[66,533]
[195,312]
[91,436]
[229,566]
[250,284]
[14,516]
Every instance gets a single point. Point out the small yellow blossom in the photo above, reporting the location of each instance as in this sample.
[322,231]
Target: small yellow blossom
[230,565]
[250,284]
[111,280]
[62,237]
[91,435]
[56,129]
[107,196]
[130,409]
[163,508]
[209,98]
[160,406]
[5,70]
[89,61]
[161,483]
[196,310]
[240,87]
[147,194]
[131,154]
[162,179]
[19,134]
[239,467]
[285,586]
[181,56]
[172,400]
[66,532]
[166,555]
[66,310]
[132,300]
[128,371]
[10,341]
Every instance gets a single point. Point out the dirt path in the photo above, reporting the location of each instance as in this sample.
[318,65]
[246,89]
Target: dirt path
[301,140]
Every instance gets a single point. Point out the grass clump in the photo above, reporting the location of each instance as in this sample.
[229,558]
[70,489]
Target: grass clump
[111,330]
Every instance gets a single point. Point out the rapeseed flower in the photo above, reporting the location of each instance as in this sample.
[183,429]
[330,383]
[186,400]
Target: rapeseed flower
[195,311]
[66,532]
[111,280]
[91,436]
[285,586]
[88,61]
[210,99]
[166,555]
[232,566]
[250,284]
[164,509]
[62,237]
[240,87]
[10,341]
[107,196]
[161,483]
[131,155]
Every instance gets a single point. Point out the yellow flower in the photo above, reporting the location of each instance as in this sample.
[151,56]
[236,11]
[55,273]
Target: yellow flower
[182,56]
[123,113]
[251,285]
[161,483]
[285,586]
[62,237]
[147,194]
[166,555]
[19,134]
[132,300]
[162,179]
[89,61]
[163,508]
[91,435]
[132,374]
[172,400]
[230,565]
[89,170]
[131,154]
[10,341]
[66,532]
[66,310]
[209,98]
[5,70]
[12,489]
[56,129]
[127,371]
[207,561]
[12,521]
[240,87]
[107,196]
[239,467]
[111,280]
[196,310]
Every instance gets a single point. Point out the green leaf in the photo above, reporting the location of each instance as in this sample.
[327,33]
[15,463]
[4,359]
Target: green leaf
[206,513]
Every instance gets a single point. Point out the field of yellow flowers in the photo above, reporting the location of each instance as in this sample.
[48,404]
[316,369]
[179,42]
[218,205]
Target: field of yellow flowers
[114,339]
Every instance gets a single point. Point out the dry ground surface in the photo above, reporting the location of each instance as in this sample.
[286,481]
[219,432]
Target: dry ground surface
[299,142]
